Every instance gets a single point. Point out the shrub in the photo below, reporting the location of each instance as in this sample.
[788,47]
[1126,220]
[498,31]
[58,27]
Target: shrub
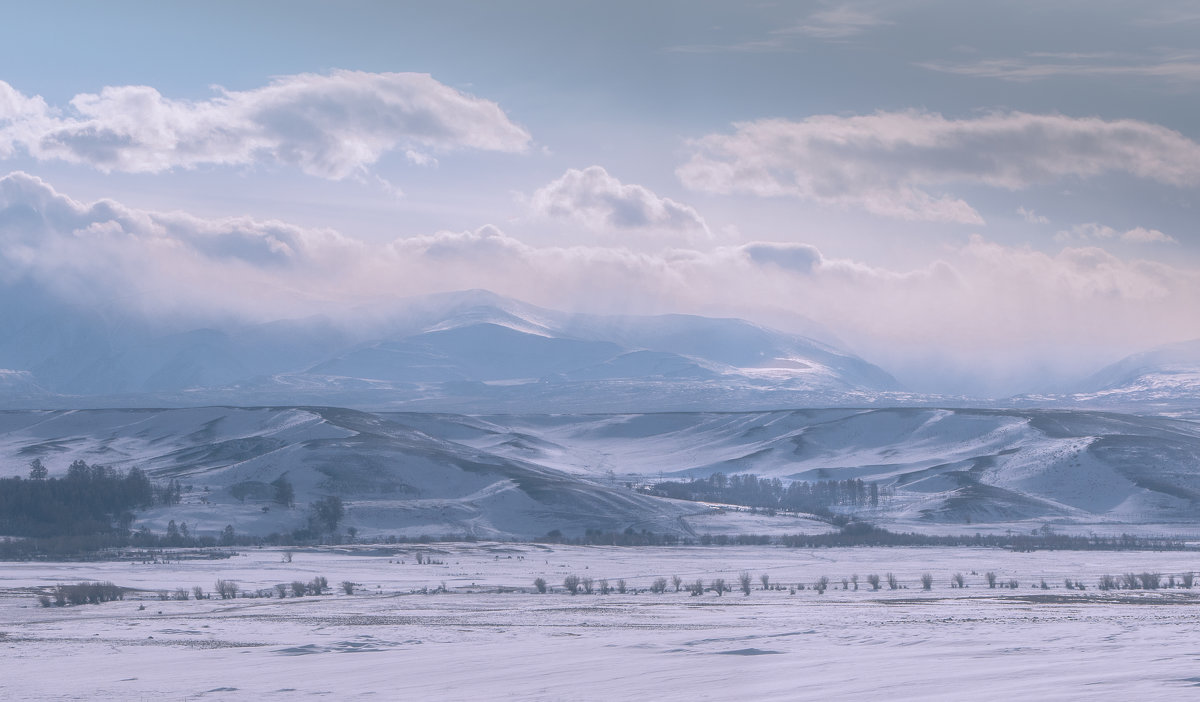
[719,586]
[1108,582]
[281,590]
[854,581]
[873,579]
[1044,585]
[540,585]
[845,583]
[587,584]
[926,581]
[958,580]
[227,589]
[571,582]
[318,585]
[696,588]
[1188,578]
[621,585]
[44,600]
[744,582]
[1151,581]
[991,579]
[347,587]
[821,584]
[893,584]
[659,586]
[1013,584]
[181,594]
[298,588]
[678,582]
[197,593]
[1130,581]
[765,580]
[605,588]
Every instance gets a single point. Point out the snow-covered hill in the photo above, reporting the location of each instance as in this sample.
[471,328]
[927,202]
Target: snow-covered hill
[524,475]
[1162,380]
[471,351]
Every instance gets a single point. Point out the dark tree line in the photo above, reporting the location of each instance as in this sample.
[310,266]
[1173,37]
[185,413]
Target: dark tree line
[88,500]
[750,490]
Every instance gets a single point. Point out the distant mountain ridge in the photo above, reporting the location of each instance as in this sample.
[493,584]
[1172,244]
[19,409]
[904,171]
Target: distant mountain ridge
[1162,380]
[463,350]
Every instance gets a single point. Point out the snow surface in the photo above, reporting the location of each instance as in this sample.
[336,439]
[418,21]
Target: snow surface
[490,637]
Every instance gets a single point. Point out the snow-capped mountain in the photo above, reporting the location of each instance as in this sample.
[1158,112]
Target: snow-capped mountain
[467,351]
[1162,380]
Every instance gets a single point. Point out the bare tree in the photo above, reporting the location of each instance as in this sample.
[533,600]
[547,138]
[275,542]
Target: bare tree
[540,584]
[621,586]
[845,583]
[991,579]
[1188,578]
[744,582]
[1151,581]
[227,589]
[719,586]
[854,581]
[299,589]
[678,582]
[958,580]
[197,593]
[347,587]
[571,582]
[873,579]
[605,588]
[659,586]
[926,581]
[587,583]
[281,590]
[765,580]
[697,588]
[821,585]
[893,584]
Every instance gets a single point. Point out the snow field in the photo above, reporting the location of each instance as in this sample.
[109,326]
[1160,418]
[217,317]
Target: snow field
[477,641]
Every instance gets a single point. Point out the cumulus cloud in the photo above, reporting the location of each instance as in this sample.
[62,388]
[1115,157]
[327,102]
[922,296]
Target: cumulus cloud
[598,200]
[892,163]
[987,307]
[1092,231]
[331,126]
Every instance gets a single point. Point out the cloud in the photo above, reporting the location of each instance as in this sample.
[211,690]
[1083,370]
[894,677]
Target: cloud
[983,308]
[800,258]
[331,126]
[888,162]
[1031,216]
[1093,231]
[596,199]
[837,23]
[1170,66]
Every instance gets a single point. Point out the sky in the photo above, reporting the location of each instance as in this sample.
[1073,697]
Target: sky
[985,198]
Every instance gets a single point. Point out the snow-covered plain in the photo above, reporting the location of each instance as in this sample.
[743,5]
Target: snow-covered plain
[489,636]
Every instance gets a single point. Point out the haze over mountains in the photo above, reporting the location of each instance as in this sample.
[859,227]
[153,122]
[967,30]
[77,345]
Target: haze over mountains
[474,351]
